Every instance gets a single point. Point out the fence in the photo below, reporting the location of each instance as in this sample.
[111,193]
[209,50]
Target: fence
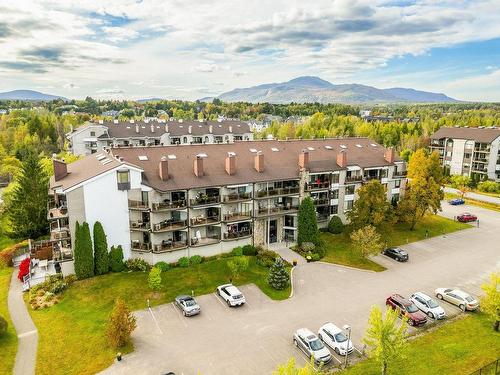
[492,368]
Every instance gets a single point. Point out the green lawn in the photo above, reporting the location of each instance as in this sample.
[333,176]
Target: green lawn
[8,342]
[4,240]
[72,333]
[473,202]
[459,347]
[339,248]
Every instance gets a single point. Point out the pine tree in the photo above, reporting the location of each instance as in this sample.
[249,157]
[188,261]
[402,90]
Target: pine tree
[84,255]
[120,325]
[307,223]
[27,208]
[278,277]
[101,257]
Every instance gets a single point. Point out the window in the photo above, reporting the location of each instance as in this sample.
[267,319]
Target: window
[349,189]
[348,205]
[335,209]
[184,140]
[335,194]
[123,178]
[335,178]
[92,134]
[397,183]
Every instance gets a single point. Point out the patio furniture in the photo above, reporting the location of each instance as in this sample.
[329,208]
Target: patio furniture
[44,263]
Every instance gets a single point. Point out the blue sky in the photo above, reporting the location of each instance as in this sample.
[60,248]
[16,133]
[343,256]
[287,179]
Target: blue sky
[136,49]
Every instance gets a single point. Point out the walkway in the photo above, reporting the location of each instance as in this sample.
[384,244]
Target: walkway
[286,253]
[476,196]
[25,328]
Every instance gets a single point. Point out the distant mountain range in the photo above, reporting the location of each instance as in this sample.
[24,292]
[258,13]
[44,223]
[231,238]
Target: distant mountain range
[28,95]
[149,100]
[314,89]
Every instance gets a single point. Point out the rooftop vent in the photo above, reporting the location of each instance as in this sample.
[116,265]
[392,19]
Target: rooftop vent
[359,146]
[373,144]
[100,157]
[172,157]
[274,149]
[202,155]
[310,148]
[101,122]
[115,121]
[143,157]
[343,147]
[253,150]
[329,147]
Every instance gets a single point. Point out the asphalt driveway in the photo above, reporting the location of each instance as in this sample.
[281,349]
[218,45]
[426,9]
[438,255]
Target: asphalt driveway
[255,338]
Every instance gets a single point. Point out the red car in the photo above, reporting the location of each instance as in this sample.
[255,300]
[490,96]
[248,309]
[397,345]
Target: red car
[406,308]
[466,217]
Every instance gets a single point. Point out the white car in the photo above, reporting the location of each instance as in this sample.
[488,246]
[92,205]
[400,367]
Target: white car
[231,295]
[335,338]
[458,297]
[312,346]
[428,305]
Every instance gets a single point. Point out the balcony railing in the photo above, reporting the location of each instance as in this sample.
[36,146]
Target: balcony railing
[234,216]
[205,200]
[321,201]
[357,178]
[203,220]
[140,225]
[169,224]
[169,245]
[56,212]
[261,211]
[139,246]
[318,185]
[323,217]
[169,205]
[234,197]
[140,205]
[60,234]
[207,240]
[400,173]
[238,234]
[277,191]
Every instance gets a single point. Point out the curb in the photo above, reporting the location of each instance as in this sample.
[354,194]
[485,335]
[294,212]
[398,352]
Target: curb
[291,282]
[347,267]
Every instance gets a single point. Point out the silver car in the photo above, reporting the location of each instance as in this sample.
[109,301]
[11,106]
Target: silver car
[187,305]
[458,297]
[312,346]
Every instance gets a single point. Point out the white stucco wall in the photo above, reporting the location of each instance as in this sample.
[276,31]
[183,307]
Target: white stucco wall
[78,145]
[492,162]
[457,157]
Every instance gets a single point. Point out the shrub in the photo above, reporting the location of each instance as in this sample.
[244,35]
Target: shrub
[266,258]
[489,187]
[237,251]
[120,325]
[237,265]
[278,278]
[315,257]
[195,259]
[7,254]
[3,326]
[70,279]
[249,250]
[116,259]
[154,279]
[307,247]
[335,225]
[24,268]
[183,262]
[137,264]
[101,256]
[163,266]
[83,252]
[57,287]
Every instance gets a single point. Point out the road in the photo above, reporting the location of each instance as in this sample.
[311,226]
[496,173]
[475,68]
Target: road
[257,337]
[476,196]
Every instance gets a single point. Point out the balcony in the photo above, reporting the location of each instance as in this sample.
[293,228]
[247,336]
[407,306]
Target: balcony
[140,225]
[204,220]
[235,197]
[270,210]
[277,191]
[57,212]
[229,236]
[236,216]
[137,205]
[168,225]
[207,240]
[140,246]
[321,201]
[322,217]
[400,173]
[205,199]
[317,185]
[354,179]
[60,234]
[169,245]
[169,205]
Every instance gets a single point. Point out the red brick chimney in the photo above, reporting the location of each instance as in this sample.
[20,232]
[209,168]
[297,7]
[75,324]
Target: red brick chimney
[231,164]
[259,162]
[60,169]
[304,160]
[198,166]
[389,155]
[163,168]
[342,159]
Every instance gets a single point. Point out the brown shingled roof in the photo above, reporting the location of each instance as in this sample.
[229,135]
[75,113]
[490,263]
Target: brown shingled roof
[484,135]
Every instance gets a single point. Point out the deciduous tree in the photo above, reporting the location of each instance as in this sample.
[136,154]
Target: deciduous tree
[367,240]
[237,265]
[290,368]
[371,207]
[490,302]
[154,278]
[121,324]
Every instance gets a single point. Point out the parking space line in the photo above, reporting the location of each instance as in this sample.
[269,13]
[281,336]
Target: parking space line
[219,299]
[154,319]
[338,360]
[269,355]
[179,315]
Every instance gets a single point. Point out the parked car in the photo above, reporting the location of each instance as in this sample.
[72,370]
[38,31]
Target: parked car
[406,308]
[428,305]
[188,305]
[456,201]
[335,338]
[396,253]
[231,295]
[466,217]
[458,297]
[311,345]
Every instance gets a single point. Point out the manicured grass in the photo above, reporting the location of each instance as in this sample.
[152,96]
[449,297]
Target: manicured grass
[71,333]
[459,347]
[4,240]
[339,248]
[8,342]
[473,202]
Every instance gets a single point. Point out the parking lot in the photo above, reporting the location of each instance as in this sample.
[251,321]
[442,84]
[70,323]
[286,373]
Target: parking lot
[255,338]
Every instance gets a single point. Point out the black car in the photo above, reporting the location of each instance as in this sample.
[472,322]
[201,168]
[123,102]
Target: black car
[396,253]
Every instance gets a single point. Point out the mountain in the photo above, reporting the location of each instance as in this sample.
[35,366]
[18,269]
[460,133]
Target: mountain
[28,95]
[149,100]
[314,89]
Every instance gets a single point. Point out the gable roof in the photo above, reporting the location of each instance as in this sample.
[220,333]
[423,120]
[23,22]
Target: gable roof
[483,135]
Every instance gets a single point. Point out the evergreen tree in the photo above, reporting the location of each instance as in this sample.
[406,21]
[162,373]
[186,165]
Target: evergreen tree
[278,277]
[27,208]
[116,259]
[307,223]
[335,225]
[371,207]
[154,278]
[84,256]
[101,258]
[120,325]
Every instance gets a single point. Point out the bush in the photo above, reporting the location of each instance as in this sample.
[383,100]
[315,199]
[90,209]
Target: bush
[163,266]
[278,278]
[3,326]
[7,254]
[24,269]
[307,247]
[237,251]
[70,279]
[101,256]
[266,258]
[315,257]
[83,252]
[116,259]
[120,325]
[489,187]
[154,279]
[335,225]
[237,265]
[137,264]
[249,250]
[183,262]
[195,259]
[458,180]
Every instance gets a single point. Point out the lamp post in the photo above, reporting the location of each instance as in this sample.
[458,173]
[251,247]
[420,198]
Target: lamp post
[348,329]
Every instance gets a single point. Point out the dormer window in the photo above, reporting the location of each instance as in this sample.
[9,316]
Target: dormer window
[123,178]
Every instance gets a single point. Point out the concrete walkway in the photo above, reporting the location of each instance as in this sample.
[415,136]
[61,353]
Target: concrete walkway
[26,331]
[476,196]
[286,253]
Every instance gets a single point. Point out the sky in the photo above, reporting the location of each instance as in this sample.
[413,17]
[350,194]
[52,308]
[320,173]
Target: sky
[122,49]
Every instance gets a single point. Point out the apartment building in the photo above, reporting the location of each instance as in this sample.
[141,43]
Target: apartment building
[473,152]
[162,203]
[94,137]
